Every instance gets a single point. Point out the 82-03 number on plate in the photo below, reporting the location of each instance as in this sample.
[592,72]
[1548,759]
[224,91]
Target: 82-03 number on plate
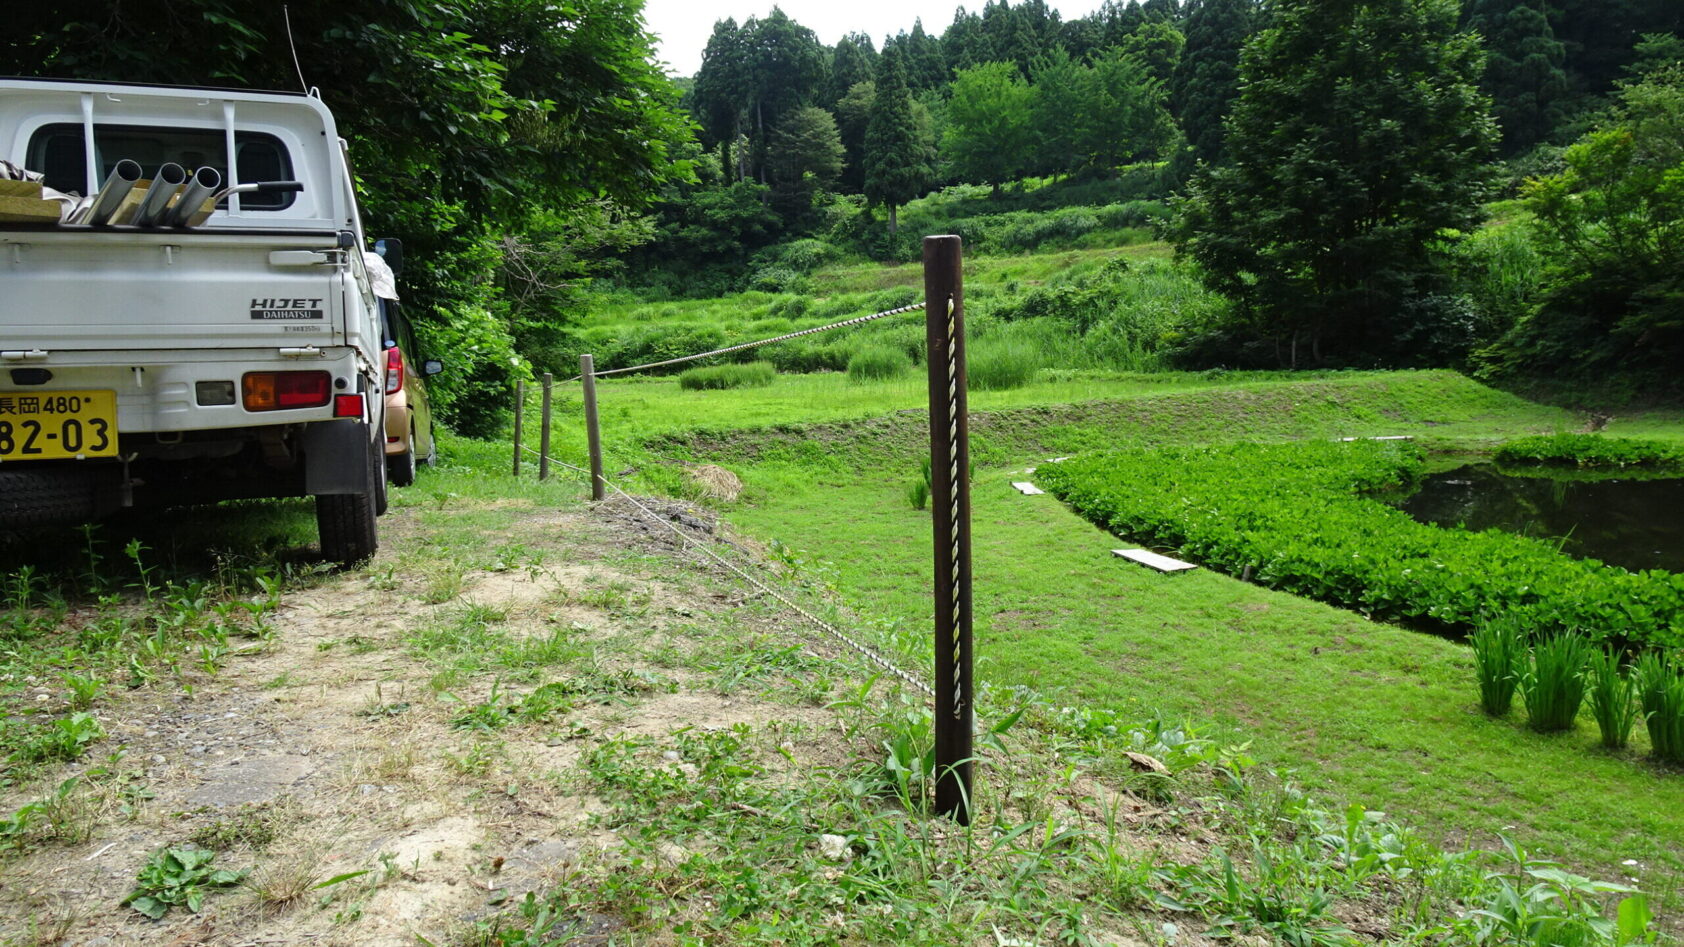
[53,425]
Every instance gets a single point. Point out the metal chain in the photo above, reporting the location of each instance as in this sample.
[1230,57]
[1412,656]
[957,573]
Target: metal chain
[953,501]
[858,320]
[866,651]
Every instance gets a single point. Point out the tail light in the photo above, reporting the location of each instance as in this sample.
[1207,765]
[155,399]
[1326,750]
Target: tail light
[279,391]
[394,370]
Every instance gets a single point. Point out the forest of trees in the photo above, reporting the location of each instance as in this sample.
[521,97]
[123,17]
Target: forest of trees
[1323,164]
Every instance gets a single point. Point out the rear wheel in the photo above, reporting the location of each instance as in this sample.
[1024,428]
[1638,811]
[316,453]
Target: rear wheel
[346,521]
[401,467]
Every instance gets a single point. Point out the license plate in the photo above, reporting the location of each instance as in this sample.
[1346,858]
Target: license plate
[53,425]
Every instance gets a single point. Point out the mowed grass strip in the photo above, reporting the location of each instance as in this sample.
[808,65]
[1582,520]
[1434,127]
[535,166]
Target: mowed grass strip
[1359,710]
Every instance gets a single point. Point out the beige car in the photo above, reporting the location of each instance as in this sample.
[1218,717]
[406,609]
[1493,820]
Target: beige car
[409,419]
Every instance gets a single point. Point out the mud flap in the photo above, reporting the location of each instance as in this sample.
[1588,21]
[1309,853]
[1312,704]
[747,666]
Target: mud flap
[336,459]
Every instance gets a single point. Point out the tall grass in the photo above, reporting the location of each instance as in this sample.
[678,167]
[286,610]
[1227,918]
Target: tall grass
[717,377]
[1499,649]
[1660,689]
[877,363]
[1554,686]
[1613,699]
[996,364]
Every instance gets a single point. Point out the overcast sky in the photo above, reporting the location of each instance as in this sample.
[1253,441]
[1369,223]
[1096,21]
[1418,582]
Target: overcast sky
[683,26]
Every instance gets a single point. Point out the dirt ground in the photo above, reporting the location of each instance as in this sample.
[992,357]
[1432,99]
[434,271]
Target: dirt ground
[337,748]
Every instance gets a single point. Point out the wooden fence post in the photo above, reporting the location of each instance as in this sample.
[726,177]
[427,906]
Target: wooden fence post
[593,434]
[544,431]
[950,506]
[520,405]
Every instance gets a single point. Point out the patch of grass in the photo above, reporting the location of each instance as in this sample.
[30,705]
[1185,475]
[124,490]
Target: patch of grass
[877,363]
[721,377]
[1002,363]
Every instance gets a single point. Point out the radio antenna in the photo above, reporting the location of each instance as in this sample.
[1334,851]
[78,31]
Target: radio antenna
[286,14]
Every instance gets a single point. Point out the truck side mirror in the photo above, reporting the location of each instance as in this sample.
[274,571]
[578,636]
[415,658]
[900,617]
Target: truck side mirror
[391,250]
[431,366]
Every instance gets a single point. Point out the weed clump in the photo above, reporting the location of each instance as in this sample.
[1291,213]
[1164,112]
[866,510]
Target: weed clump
[720,377]
[878,363]
[997,365]
[1613,699]
[1499,650]
[1660,690]
[1554,686]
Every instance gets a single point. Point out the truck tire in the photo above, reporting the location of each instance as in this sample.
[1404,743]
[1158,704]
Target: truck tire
[401,467]
[47,497]
[345,522]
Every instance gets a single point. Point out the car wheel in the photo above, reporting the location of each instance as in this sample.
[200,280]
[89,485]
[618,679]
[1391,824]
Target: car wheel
[401,467]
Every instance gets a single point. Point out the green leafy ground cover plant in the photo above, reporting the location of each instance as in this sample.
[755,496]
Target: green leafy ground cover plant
[1296,516]
[1590,450]
[178,877]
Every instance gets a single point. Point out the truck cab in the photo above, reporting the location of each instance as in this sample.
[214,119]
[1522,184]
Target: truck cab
[199,324]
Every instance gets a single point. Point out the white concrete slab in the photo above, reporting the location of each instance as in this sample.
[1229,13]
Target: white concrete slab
[1027,489]
[1148,558]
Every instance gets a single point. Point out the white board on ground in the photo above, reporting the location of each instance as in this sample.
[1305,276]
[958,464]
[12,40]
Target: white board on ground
[1027,489]
[1388,437]
[1148,558]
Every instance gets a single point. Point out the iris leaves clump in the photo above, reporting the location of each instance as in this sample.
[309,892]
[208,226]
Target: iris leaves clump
[1554,686]
[1499,649]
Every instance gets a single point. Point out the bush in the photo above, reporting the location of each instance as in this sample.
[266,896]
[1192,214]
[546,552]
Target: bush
[878,362]
[716,377]
[1613,699]
[1499,649]
[1660,690]
[998,364]
[1554,686]
[1588,450]
[1295,515]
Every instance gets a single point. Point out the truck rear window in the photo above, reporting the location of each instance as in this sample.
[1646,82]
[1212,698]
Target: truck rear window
[56,151]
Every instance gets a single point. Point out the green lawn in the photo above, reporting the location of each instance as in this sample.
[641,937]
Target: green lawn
[1357,710]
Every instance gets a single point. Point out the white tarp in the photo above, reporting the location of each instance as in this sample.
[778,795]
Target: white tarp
[385,284]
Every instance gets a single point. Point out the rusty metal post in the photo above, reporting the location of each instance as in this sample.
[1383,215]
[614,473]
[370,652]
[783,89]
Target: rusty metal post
[950,506]
[520,406]
[544,431]
[593,434]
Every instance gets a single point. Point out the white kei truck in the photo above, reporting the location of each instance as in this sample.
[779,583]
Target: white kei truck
[199,323]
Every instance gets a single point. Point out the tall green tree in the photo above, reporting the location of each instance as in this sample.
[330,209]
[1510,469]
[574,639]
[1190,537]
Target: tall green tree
[719,91]
[1611,226]
[897,159]
[853,61]
[1525,72]
[853,114]
[1207,79]
[805,158]
[989,137]
[1359,141]
[1125,118]
[1158,44]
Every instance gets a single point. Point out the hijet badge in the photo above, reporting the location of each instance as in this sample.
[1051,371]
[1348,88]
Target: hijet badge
[283,308]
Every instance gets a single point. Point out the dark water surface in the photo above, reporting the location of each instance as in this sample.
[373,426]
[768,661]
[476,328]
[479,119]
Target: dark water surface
[1638,524]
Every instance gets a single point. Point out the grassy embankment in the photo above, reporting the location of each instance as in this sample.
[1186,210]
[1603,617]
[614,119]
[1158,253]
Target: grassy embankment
[1356,709]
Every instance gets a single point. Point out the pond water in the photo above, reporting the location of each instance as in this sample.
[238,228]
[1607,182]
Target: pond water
[1635,523]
